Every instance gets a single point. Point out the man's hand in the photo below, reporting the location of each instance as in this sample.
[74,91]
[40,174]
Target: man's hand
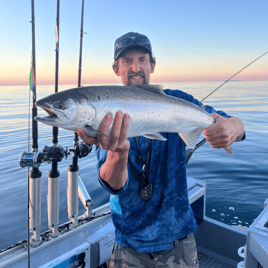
[114,170]
[117,141]
[224,132]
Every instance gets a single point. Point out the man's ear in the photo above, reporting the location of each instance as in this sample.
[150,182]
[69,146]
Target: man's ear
[152,67]
[116,70]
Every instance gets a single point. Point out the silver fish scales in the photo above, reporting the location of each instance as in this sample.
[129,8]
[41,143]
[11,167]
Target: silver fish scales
[150,110]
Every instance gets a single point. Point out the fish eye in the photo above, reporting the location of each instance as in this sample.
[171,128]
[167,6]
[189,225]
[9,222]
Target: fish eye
[59,105]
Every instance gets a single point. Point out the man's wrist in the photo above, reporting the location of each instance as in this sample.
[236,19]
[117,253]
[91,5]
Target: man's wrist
[118,155]
[239,126]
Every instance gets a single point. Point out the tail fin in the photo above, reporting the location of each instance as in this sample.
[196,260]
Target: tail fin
[229,150]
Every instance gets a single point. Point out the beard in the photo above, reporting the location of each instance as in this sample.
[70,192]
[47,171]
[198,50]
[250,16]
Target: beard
[140,81]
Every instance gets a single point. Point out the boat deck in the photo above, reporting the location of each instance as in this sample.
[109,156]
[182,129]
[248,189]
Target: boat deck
[206,261]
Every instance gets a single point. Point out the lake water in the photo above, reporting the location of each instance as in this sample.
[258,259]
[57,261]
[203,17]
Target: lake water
[237,186]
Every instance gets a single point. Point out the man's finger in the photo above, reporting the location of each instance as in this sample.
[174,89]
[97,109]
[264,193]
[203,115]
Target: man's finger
[103,128]
[124,128]
[105,124]
[211,131]
[115,133]
[214,128]
[85,137]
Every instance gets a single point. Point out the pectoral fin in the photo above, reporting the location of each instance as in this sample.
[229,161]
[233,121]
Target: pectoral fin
[92,132]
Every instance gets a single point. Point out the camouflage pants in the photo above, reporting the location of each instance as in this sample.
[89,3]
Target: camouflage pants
[182,255]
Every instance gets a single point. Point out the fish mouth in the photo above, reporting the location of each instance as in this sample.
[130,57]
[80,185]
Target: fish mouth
[52,117]
[50,114]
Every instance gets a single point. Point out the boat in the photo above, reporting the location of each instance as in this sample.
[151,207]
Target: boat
[87,240]
[90,243]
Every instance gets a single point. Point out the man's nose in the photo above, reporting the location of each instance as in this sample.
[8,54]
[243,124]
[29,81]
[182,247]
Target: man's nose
[136,67]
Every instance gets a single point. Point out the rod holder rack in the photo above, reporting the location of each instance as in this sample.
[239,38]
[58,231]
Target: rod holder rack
[76,188]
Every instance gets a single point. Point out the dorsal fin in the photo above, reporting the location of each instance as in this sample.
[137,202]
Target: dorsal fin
[153,88]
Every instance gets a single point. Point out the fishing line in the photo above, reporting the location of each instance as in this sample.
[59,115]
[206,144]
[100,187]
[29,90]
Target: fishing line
[190,151]
[233,76]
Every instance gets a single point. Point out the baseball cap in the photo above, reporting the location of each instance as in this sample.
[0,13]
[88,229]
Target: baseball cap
[131,40]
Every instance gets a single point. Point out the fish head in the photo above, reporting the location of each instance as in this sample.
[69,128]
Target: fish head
[67,112]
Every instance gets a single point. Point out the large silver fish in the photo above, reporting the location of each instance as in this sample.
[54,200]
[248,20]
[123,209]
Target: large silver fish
[150,110]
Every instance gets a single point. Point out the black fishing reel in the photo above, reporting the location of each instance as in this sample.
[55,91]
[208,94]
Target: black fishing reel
[82,150]
[54,153]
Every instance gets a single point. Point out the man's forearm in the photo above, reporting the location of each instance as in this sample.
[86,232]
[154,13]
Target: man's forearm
[114,170]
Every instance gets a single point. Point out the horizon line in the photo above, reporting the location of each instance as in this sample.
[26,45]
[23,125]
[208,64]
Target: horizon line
[62,84]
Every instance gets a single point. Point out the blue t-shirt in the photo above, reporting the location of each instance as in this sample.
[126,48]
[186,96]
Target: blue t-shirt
[153,225]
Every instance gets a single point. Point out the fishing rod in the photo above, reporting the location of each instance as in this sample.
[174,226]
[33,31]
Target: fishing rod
[53,155]
[34,177]
[54,174]
[76,139]
[34,159]
[35,174]
[81,45]
[190,151]
[234,76]
[76,186]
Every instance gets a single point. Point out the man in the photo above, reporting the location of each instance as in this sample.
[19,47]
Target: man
[153,220]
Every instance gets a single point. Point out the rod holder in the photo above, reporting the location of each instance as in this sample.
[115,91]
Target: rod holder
[53,205]
[72,196]
[84,198]
[35,209]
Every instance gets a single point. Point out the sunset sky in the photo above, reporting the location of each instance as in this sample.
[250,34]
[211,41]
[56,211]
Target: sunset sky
[198,41]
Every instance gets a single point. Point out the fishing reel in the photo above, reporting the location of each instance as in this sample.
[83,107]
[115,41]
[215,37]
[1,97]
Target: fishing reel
[82,150]
[35,159]
[52,153]
[57,153]
[30,159]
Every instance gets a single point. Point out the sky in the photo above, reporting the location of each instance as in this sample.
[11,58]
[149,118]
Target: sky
[193,41]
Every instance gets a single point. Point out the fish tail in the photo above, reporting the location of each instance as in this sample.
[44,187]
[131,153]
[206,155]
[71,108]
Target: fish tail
[229,150]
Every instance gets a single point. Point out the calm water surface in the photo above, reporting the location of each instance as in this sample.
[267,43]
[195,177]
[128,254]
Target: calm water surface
[236,186]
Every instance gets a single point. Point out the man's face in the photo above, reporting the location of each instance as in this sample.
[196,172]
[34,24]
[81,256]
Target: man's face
[134,68]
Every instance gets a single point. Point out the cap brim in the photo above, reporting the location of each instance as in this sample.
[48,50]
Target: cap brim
[117,56]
